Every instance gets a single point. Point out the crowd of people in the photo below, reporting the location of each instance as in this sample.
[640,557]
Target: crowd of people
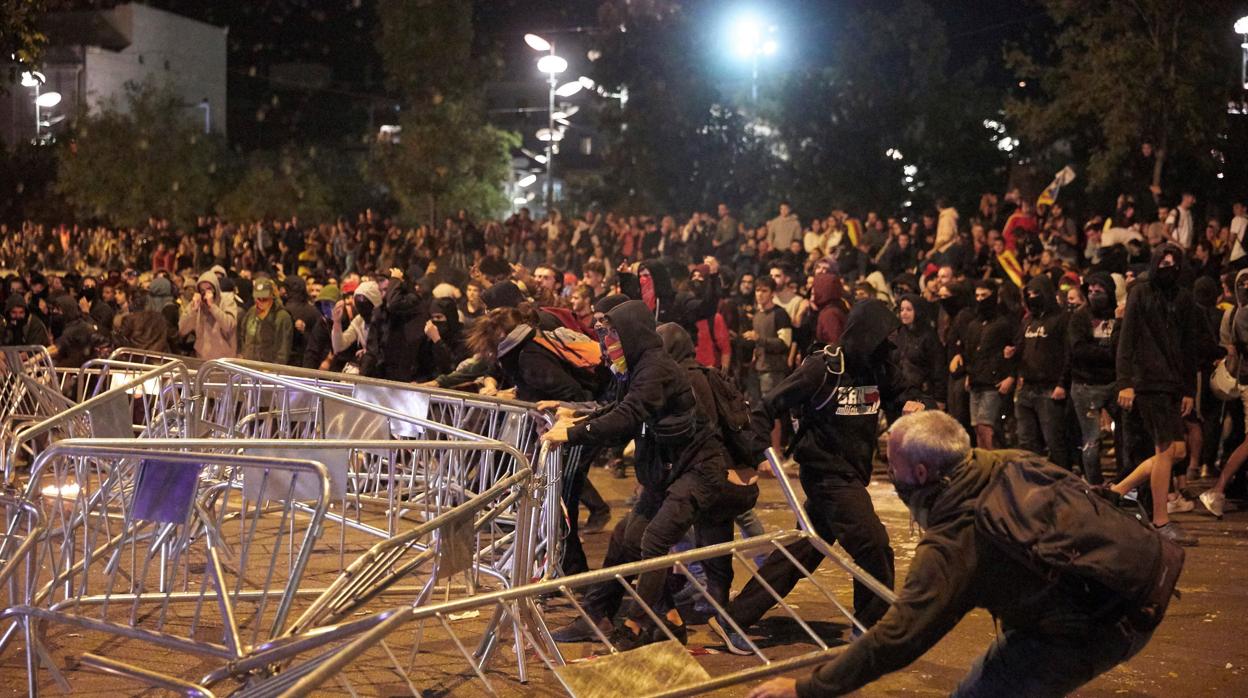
[1028,327]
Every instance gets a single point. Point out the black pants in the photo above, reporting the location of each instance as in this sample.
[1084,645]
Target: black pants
[702,498]
[574,481]
[842,513]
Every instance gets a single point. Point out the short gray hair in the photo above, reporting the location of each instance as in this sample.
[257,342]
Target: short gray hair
[932,438]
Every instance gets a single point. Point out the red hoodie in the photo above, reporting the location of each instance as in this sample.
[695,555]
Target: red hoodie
[712,345]
[826,297]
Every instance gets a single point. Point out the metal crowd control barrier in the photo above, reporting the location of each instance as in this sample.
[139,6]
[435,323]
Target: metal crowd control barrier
[139,546]
[29,388]
[154,358]
[438,648]
[21,532]
[246,398]
[155,402]
[143,547]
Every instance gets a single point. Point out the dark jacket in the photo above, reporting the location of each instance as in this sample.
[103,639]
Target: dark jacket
[449,350]
[1159,344]
[268,339]
[1094,339]
[29,332]
[983,344]
[1043,348]
[919,356]
[679,345]
[77,337]
[145,329]
[538,374]
[839,414]
[955,570]
[296,303]
[657,407]
[396,336]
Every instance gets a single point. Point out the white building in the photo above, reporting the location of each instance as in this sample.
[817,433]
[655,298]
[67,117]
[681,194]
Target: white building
[92,55]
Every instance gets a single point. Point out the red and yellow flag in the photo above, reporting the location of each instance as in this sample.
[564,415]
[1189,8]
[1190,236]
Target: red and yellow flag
[1012,268]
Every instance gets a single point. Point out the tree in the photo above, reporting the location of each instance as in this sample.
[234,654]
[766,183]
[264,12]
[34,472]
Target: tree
[447,156]
[1123,71]
[20,37]
[141,156]
[280,185]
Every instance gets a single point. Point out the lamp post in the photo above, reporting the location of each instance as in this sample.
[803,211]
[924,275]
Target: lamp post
[43,100]
[1241,28]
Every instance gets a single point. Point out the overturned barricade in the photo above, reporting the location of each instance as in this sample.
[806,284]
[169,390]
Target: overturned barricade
[210,556]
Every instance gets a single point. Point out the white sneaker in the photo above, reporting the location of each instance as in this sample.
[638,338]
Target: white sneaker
[1214,501]
[1180,505]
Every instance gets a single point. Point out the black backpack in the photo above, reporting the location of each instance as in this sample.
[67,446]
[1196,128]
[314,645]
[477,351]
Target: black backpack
[733,413]
[1067,531]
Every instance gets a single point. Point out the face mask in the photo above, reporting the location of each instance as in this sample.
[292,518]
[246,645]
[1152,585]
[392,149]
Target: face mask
[364,308]
[918,497]
[1166,277]
[326,308]
[647,291]
[1035,305]
[986,307]
[614,351]
[17,322]
[56,323]
[1241,295]
[1099,300]
[90,293]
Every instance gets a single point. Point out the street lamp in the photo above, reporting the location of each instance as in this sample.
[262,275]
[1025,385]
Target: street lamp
[43,100]
[1241,28]
[750,39]
[552,65]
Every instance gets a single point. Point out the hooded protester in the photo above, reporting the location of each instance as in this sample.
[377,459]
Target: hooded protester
[144,327]
[73,333]
[919,356]
[396,338]
[838,394]
[212,317]
[826,296]
[358,321]
[21,328]
[1044,374]
[319,351]
[1093,336]
[302,312]
[681,464]
[989,371]
[445,334]
[1157,363]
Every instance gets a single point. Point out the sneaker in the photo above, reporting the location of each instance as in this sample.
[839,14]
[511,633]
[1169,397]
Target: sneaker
[597,521]
[732,641]
[624,639]
[680,632]
[1180,505]
[1214,501]
[579,630]
[1175,533]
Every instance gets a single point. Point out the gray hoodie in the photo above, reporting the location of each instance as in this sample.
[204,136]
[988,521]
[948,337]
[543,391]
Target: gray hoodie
[214,324]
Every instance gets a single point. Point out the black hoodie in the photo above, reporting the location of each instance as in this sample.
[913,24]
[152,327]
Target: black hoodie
[30,332]
[982,344]
[296,303]
[76,340]
[1094,337]
[746,446]
[657,408]
[839,415]
[919,356]
[1159,343]
[449,350]
[1044,352]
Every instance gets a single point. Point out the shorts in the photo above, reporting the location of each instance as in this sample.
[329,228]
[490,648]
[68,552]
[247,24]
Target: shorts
[985,407]
[1161,416]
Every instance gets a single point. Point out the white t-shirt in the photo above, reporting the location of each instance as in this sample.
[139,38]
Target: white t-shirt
[1239,225]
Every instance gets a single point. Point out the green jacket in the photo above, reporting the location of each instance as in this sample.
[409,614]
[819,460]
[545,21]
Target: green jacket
[266,339]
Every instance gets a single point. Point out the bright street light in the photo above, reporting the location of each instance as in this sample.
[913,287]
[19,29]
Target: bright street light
[47,100]
[1241,25]
[568,89]
[33,78]
[749,38]
[587,83]
[552,65]
[536,42]
[1241,28]
[526,180]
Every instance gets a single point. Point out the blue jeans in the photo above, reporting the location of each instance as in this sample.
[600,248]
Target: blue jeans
[1041,423]
[1089,400]
[1029,664]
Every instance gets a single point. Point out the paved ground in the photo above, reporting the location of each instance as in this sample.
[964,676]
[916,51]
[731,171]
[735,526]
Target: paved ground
[1200,649]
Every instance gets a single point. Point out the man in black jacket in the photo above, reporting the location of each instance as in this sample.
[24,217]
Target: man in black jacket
[1054,637]
[1044,374]
[681,465]
[396,335]
[985,348]
[304,315]
[1157,377]
[1093,336]
[838,393]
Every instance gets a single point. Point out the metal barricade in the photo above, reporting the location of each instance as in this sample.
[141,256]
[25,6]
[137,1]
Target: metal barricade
[22,529]
[159,570]
[155,402]
[139,546]
[253,399]
[29,388]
